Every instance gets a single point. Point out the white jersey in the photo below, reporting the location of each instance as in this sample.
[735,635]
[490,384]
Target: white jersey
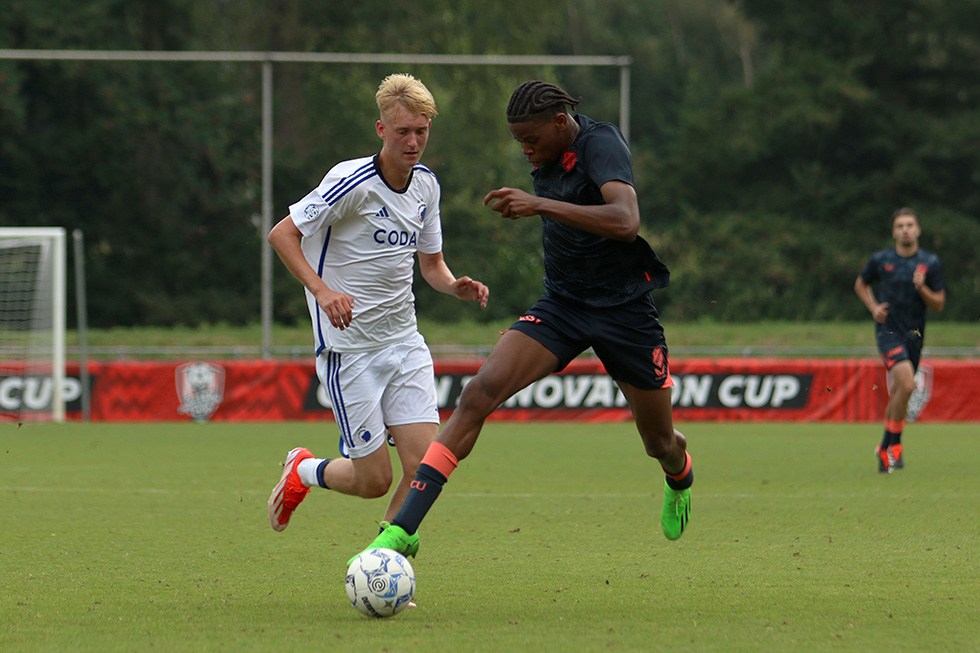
[361,236]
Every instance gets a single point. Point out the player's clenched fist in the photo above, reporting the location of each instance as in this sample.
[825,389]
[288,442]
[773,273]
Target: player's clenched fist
[338,307]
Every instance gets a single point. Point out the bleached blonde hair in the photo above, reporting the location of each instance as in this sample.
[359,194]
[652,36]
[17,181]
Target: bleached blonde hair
[403,89]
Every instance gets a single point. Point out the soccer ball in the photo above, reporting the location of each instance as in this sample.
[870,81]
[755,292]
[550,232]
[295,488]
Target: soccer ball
[380,582]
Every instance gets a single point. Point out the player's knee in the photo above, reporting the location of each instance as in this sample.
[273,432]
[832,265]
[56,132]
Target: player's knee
[478,397]
[659,445]
[375,490]
[655,450]
[374,487]
[905,387]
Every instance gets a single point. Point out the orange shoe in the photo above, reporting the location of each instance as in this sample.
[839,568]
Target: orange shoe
[884,462]
[895,455]
[290,491]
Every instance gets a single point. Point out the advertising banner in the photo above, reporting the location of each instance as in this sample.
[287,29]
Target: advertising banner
[726,389]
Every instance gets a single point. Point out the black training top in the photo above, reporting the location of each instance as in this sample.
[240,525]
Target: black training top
[580,265]
[906,309]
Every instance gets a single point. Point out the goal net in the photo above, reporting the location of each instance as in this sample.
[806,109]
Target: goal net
[32,324]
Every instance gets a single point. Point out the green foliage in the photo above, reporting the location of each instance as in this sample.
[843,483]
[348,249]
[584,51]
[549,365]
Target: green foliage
[788,184]
[504,254]
[156,163]
[956,237]
[720,271]
[764,131]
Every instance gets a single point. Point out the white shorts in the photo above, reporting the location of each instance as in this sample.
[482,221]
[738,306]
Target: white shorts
[372,390]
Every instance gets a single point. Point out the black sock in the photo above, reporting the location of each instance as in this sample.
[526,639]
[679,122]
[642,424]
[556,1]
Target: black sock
[889,439]
[681,484]
[424,492]
[682,480]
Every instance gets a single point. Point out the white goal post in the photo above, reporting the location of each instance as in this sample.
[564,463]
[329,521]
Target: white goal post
[32,324]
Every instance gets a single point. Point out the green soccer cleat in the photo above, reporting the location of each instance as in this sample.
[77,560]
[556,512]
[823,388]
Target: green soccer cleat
[676,511]
[395,538]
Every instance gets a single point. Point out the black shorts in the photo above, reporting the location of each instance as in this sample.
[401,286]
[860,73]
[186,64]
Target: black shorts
[628,338]
[895,347]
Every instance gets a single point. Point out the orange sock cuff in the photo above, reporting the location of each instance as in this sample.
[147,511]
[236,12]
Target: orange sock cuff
[684,472]
[894,425]
[440,458]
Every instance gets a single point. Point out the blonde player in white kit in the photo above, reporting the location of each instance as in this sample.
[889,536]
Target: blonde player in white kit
[352,243]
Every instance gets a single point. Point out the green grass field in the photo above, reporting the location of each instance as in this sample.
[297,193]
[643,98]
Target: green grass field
[133,537]
[679,334]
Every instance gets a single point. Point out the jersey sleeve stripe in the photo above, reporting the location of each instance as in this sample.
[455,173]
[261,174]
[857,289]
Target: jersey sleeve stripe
[422,168]
[347,184]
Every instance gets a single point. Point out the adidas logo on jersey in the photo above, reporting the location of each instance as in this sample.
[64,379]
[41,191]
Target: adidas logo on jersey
[383,213]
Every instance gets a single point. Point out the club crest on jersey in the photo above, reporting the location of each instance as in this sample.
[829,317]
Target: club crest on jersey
[889,267]
[421,213]
[568,160]
[311,211]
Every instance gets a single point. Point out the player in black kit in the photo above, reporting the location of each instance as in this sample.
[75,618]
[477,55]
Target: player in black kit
[598,278]
[909,279]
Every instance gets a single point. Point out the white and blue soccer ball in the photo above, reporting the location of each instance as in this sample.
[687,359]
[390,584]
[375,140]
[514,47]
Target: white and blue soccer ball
[380,582]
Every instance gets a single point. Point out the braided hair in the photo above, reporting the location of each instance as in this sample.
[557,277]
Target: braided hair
[533,98]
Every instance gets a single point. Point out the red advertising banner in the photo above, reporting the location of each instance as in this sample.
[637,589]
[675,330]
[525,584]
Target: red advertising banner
[729,389]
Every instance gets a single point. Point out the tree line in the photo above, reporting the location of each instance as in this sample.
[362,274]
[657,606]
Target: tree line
[772,140]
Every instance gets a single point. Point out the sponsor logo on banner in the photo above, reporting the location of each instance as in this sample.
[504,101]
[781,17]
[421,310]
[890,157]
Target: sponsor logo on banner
[781,391]
[34,393]
[200,388]
[566,391]
[578,391]
[555,391]
[921,393]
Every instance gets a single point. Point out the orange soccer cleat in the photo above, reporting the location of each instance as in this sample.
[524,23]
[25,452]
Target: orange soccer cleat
[895,456]
[289,492]
[884,460]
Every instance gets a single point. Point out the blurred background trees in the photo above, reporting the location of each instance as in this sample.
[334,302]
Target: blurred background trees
[772,140]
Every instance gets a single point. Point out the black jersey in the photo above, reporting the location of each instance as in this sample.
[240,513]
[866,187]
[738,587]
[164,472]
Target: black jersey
[906,309]
[580,265]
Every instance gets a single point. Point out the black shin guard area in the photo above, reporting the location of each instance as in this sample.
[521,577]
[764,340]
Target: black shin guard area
[681,484]
[424,492]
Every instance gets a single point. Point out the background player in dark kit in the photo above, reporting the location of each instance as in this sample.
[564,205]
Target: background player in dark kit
[909,279]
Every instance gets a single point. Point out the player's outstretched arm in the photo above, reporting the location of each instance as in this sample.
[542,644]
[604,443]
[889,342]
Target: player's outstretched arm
[438,275]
